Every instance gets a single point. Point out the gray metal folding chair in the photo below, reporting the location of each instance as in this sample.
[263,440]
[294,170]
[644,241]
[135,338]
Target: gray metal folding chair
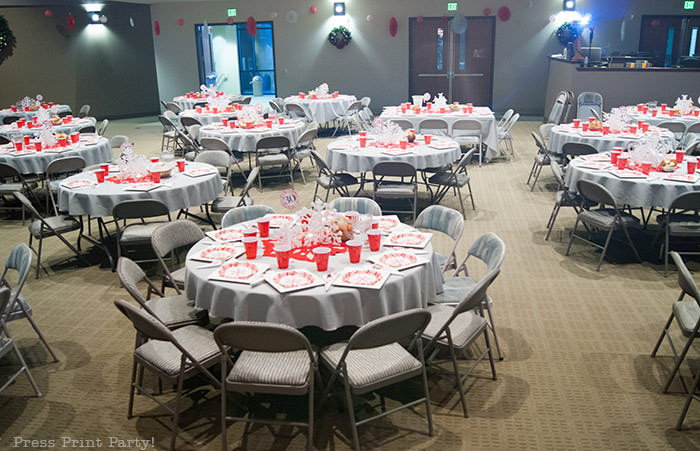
[542,159]
[19,261]
[102,127]
[167,240]
[7,344]
[295,111]
[56,172]
[272,151]
[187,121]
[678,128]
[305,144]
[395,180]
[220,144]
[173,311]
[457,327]
[681,221]
[572,150]
[373,358]
[226,203]
[453,178]
[447,221]
[172,106]
[362,205]
[433,127]
[84,111]
[274,359]
[174,356]
[351,116]
[135,237]
[468,133]
[589,104]
[221,160]
[403,123]
[245,213]
[337,181]
[564,197]
[559,109]
[11,181]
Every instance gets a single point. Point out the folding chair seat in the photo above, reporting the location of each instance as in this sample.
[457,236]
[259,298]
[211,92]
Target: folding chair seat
[362,205]
[135,237]
[7,344]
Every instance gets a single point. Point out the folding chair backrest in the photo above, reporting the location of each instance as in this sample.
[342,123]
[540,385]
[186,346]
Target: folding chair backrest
[273,143]
[307,138]
[558,174]
[393,169]
[140,208]
[147,325]
[545,131]
[365,101]
[389,329]
[130,274]
[693,128]
[685,279]
[174,107]
[261,337]
[505,117]
[218,158]
[29,206]
[321,164]
[64,166]
[510,124]
[9,172]
[20,259]
[403,123]
[442,219]
[187,121]
[464,162]
[475,296]
[433,126]
[246,213]
[362,205]
[587,102]
[596,193]
[353,108]
[91,129]
[692,149]
[490,249]
[246,100]
[573,150]
[538,142]
[117,140]
[102,127]
[166,123]
[250,181]
[172,116]
[686,201]
[558,109]
[172,235]
[466,127]
[295,110]
[84,111]
[678,128]
[275,107]
[10,119]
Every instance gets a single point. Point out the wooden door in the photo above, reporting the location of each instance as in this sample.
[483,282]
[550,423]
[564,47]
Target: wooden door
[458,65]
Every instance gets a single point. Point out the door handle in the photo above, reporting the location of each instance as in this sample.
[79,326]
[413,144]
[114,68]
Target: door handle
[432,75]
[469,75]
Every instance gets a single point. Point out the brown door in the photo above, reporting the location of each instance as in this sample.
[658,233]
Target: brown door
[458,65]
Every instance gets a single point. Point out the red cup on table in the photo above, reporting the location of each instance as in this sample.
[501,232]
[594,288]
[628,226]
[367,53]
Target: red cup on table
[30,124]
[198,109]
[63,142]
[68,119]
[248,125]
[427,139]
[640,107]
[403,110]
[18,145]
[100,175]
[374,237]
[591,119]
[663,107]
[20,123]
[224,122]
[302,95]
[35,119]
[14,108]
[585,126]
[37,146]
[215,110]
[621,162]
[155,177]
[51,104]
[75,137]
[231,124]
[654,113]
[692,166]
[283,252]
[696,113]
[314,96]
[671,113]
[417,110]
[465,110]
[645,127]
[229,108]
[321,256]
[354,250]
[281,120]
[250,243]
[403,143]
[614,154]
[470,109]
[105,167]
[264,227]
[429,106]
[363,141]
[633,129]
[375,224]
[268,123]
[443,110]
[26,108]
[26,140]
[646,168]
[679,156]
[363,134]
[606,129]
[250,233]
[181,165]
[577,123]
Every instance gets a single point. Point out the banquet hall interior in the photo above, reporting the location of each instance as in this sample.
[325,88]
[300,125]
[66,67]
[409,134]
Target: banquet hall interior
[153,151]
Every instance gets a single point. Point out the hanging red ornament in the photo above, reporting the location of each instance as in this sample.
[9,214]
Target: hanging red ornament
[313,10]
[48,13]
[156,27]
[252,26]
[393,27]
[655,23]
[444,21]
[504,13]
[229,21]
[419,19]
[70,21]
[181,22]
[487,11]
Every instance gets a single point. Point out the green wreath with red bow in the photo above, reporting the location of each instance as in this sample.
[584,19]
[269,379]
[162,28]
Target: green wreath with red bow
[339,37]
[7,40]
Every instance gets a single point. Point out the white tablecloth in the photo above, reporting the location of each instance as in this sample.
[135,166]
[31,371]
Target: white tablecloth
[481,114]
[325,109]
[30,114]
[36,163]
[185,104]
[329,310]
[180,191]
[562,134]
[245,140]
[208,118]
[641,192]
[340,156]
[11,130]
[660,117]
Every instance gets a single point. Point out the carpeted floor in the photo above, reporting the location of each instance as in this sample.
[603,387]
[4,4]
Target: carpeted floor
[576,375]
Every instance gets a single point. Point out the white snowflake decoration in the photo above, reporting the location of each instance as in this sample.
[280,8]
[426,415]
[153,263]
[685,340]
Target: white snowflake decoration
[684,104]
[387,132]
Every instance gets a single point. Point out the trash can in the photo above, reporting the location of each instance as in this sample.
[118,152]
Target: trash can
[257,85]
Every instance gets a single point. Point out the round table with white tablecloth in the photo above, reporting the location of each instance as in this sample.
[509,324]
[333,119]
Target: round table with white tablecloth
[653,190]
[206,117]
[565,133]
[328,308]
[12,131]
[323,109]
[245,140]
[178,191]
[54,110]
[187,103]
[655,116]
[93,149]
[346,154]
[482,114]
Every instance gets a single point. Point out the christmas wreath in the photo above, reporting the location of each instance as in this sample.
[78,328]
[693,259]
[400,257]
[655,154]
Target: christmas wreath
[7,40]
[339,37]
[568,32]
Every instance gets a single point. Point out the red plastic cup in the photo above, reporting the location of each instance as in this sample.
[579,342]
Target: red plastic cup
[443,110]
[155,177]
[374,236]
[417,110]
[692,166]
[63,142]
[155,160]
[37,146]
[75,137]
[302,95]
[250,244]
[105,167]
[26,140]
[314,96]
[181,165]
[465,110]
[363,142]
[283,253]
[577,123]
[354,250]
[427,139]
[224,122]
[26,108]
[584,126]
[679,156]
[51,104]
[14,108]
[35,119]
[645,127]
[470,109]
[198,109]
[606,129]
[663,107]
[640,123]
[268,123]
[613,156]
[646,168]
[654,113]
[264,227]
[250,233]
[281,120]
[215,110]
[375,224]
[403,143]
[696,113]
[621,162]
[231,124]
[248,125]
[100,176]
[67,119]
[633,129]
[363,134]
[322,255]
[403,110]
[20,123]
[591,119]
[18,145]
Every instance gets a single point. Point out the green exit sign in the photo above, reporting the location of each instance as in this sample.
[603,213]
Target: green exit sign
[452,6]
[231,12]
[689,4]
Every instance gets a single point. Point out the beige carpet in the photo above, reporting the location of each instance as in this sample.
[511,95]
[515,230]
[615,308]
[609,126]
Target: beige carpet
[576,375]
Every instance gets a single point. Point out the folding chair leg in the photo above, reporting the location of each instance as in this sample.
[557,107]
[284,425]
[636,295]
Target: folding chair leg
[38,258]
[132,389]
[176,413]
[679,361]
[493,330]
[573,234]
[663,334]
[631,243]
[458,378]
[310,437]
[490,352]
[41,336]
[471,195]
[691,396]
[552,220]
[605,248]
[351,415]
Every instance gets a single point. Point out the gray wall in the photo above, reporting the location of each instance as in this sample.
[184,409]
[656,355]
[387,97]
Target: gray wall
[110,67]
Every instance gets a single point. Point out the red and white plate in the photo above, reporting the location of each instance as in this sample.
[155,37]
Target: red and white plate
[388,223]
[409,239]
[596,157]
[362,278]
[277,221]
[239,271]
[398,260]
[292,280]
[218,253]
[441,145]
[89,140]
[397,152]
[681,177]
[226,235]
[143,186]
[594,165]
[79,183]
[199,172]
[627,174]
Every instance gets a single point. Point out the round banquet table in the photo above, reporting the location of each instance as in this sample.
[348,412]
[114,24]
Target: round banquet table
[93,149]
[482,114]
[327,309]
[687,119]
[647,191]
[346,154]
[11,130]
[245,140]
[56,109]
[565,133]
[323,109]
[187,103]
[178,192]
